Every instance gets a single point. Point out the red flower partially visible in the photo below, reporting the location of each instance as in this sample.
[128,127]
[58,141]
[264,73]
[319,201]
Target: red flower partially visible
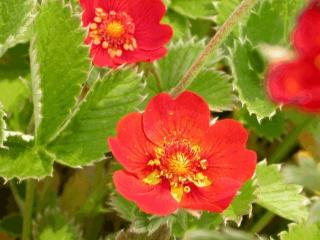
[297,83]
[125,31]
[173,158]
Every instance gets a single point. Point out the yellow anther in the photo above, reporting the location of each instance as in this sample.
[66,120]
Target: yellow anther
[186,189]
[177,192]
[204,164]
[93,26]
[97,19]
[105,44]
[96,41]
[153,178]
[196,148]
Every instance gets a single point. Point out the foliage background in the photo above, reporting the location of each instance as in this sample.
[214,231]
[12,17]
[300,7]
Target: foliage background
[57,110]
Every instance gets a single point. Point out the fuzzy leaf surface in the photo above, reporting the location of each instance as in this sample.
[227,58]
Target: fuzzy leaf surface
[246,65]
[301,231]
[83,140]
[242,204]
[279,197]
[59,66]
[21,159]
[16,17]
[194,8]
[53,225]
[211,84]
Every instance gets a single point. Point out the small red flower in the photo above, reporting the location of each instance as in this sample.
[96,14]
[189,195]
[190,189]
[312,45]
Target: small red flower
[125,31]
[173,158]
[297,82]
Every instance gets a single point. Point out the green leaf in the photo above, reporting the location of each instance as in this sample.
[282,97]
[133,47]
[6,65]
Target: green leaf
[15,92]
[270,129]
[11,225]
[21,159]
[227,234]
[246,66]
[125,209]
[180,24]
[242,204]
[306,173]
[182,221]
[301,231]
[194,8]
[213,85]
[15,62]
[16,17]
[84,193]
[179,59]
[17,103]
[83,139]
[2,125]
[143,223]
[277,196]
[223,9]
[216,89]
[55,225]
[59,66]
[162,233]
[272,22]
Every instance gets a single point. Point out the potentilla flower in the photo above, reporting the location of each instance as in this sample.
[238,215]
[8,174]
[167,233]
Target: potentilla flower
[125,31]
[173,158]
[297,82]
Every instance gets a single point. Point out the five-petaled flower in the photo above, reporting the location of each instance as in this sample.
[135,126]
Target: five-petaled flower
[125,31]
[173,158]
[297,82]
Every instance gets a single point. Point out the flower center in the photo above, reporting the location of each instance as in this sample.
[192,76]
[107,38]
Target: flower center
[180,163]
[114,31]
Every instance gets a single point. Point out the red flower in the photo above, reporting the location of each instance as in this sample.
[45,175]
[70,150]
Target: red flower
[297,83]
[173,158]
[125,31]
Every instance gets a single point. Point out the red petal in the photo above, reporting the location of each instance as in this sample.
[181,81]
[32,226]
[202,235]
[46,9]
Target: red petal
[150,199]
[140,55]
[88,11]
[295,83]
[115,5]
[224,147]
[101,58]
[186,117]
[131,148]
[307,33]
[214,198]
[146,12]
[149,33]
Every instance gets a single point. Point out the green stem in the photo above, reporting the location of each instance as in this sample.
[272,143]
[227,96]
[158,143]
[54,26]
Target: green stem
[16,195]
[215,42]
[290,141]
[262,222]
[27,211]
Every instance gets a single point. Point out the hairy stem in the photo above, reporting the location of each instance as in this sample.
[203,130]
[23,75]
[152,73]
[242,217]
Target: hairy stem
[262,222]
[16,195]
[214,43]
[27,210]
[290,141]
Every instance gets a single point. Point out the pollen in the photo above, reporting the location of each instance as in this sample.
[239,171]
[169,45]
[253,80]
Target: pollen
[113,31]
[179,163]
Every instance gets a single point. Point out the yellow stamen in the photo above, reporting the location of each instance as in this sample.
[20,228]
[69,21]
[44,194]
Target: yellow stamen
[177,192]
[115,29]
[153,178]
